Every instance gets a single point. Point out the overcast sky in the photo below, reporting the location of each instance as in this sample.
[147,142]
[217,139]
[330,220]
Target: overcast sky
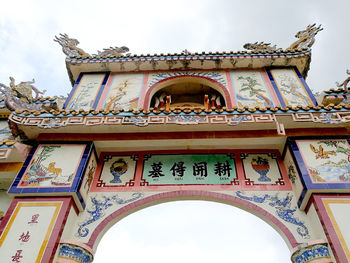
[27,51]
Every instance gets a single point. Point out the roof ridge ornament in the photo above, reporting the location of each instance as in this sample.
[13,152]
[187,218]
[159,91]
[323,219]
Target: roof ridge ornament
[69,47]
[345,83]
[306,38]
[111,52]
[260,46]
[20,96]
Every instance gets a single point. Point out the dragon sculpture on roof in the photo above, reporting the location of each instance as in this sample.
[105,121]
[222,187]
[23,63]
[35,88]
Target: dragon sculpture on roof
[20,96]
[69,47]
[260,46]
[345,83]
[306,38]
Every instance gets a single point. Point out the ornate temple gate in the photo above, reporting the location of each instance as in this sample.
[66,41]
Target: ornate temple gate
[238,128]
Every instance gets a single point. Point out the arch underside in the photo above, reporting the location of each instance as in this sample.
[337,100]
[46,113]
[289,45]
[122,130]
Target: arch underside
[158,198]
[189,79]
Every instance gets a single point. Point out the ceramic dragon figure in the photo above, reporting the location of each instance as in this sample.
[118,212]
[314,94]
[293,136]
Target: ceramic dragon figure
[112,52]
[20,96]
[306,37]
[69,46]
[260,46]
[345,83]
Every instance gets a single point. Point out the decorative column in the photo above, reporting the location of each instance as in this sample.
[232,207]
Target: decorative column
[314,251]
[73,252]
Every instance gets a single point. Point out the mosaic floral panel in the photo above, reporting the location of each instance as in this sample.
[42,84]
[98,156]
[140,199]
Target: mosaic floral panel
[124,91]
[326,160]
[118,171]
[49,167]
[189,169]
[250,89]
[86,92]
[291,88]
[261,168]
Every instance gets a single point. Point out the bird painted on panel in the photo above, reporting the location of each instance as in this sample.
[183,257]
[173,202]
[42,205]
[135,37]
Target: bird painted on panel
[321,153]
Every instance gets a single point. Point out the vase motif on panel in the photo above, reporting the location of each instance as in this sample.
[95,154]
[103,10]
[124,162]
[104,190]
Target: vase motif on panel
[118,168]
[262,167]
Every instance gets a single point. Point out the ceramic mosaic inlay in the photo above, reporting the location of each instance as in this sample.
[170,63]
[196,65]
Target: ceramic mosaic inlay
[49,166]
[326,160]
[117,171]
[283,209]
[189,169]
[88,176]
[291,88]
[123,91]
[85,92]
[251,89]
[96,210]
[261,168]
[217,76]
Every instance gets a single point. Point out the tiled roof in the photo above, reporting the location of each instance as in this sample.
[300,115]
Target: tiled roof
[339,90]
[193,56]
[246,109]
[39,100]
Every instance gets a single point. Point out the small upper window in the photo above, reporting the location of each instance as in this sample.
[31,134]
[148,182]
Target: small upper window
[187,95]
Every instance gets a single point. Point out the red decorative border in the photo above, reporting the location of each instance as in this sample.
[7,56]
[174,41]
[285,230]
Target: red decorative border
[327,223]
[57,230]
[200,195]
[139,184]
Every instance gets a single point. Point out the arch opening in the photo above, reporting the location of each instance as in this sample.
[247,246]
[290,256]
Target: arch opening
[192,231]
[117,215]
[187,92]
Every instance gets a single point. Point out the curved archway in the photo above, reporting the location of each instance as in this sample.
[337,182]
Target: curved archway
[192,231]
[190,195]
[192,79]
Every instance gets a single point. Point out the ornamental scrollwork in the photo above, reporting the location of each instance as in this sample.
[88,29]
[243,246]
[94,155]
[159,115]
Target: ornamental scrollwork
[97,210]
[282,208]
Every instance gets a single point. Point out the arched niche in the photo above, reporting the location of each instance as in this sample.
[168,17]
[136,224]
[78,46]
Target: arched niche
[188,91]
[119,214]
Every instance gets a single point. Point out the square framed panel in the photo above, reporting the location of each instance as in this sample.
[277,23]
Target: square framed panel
[52,168]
